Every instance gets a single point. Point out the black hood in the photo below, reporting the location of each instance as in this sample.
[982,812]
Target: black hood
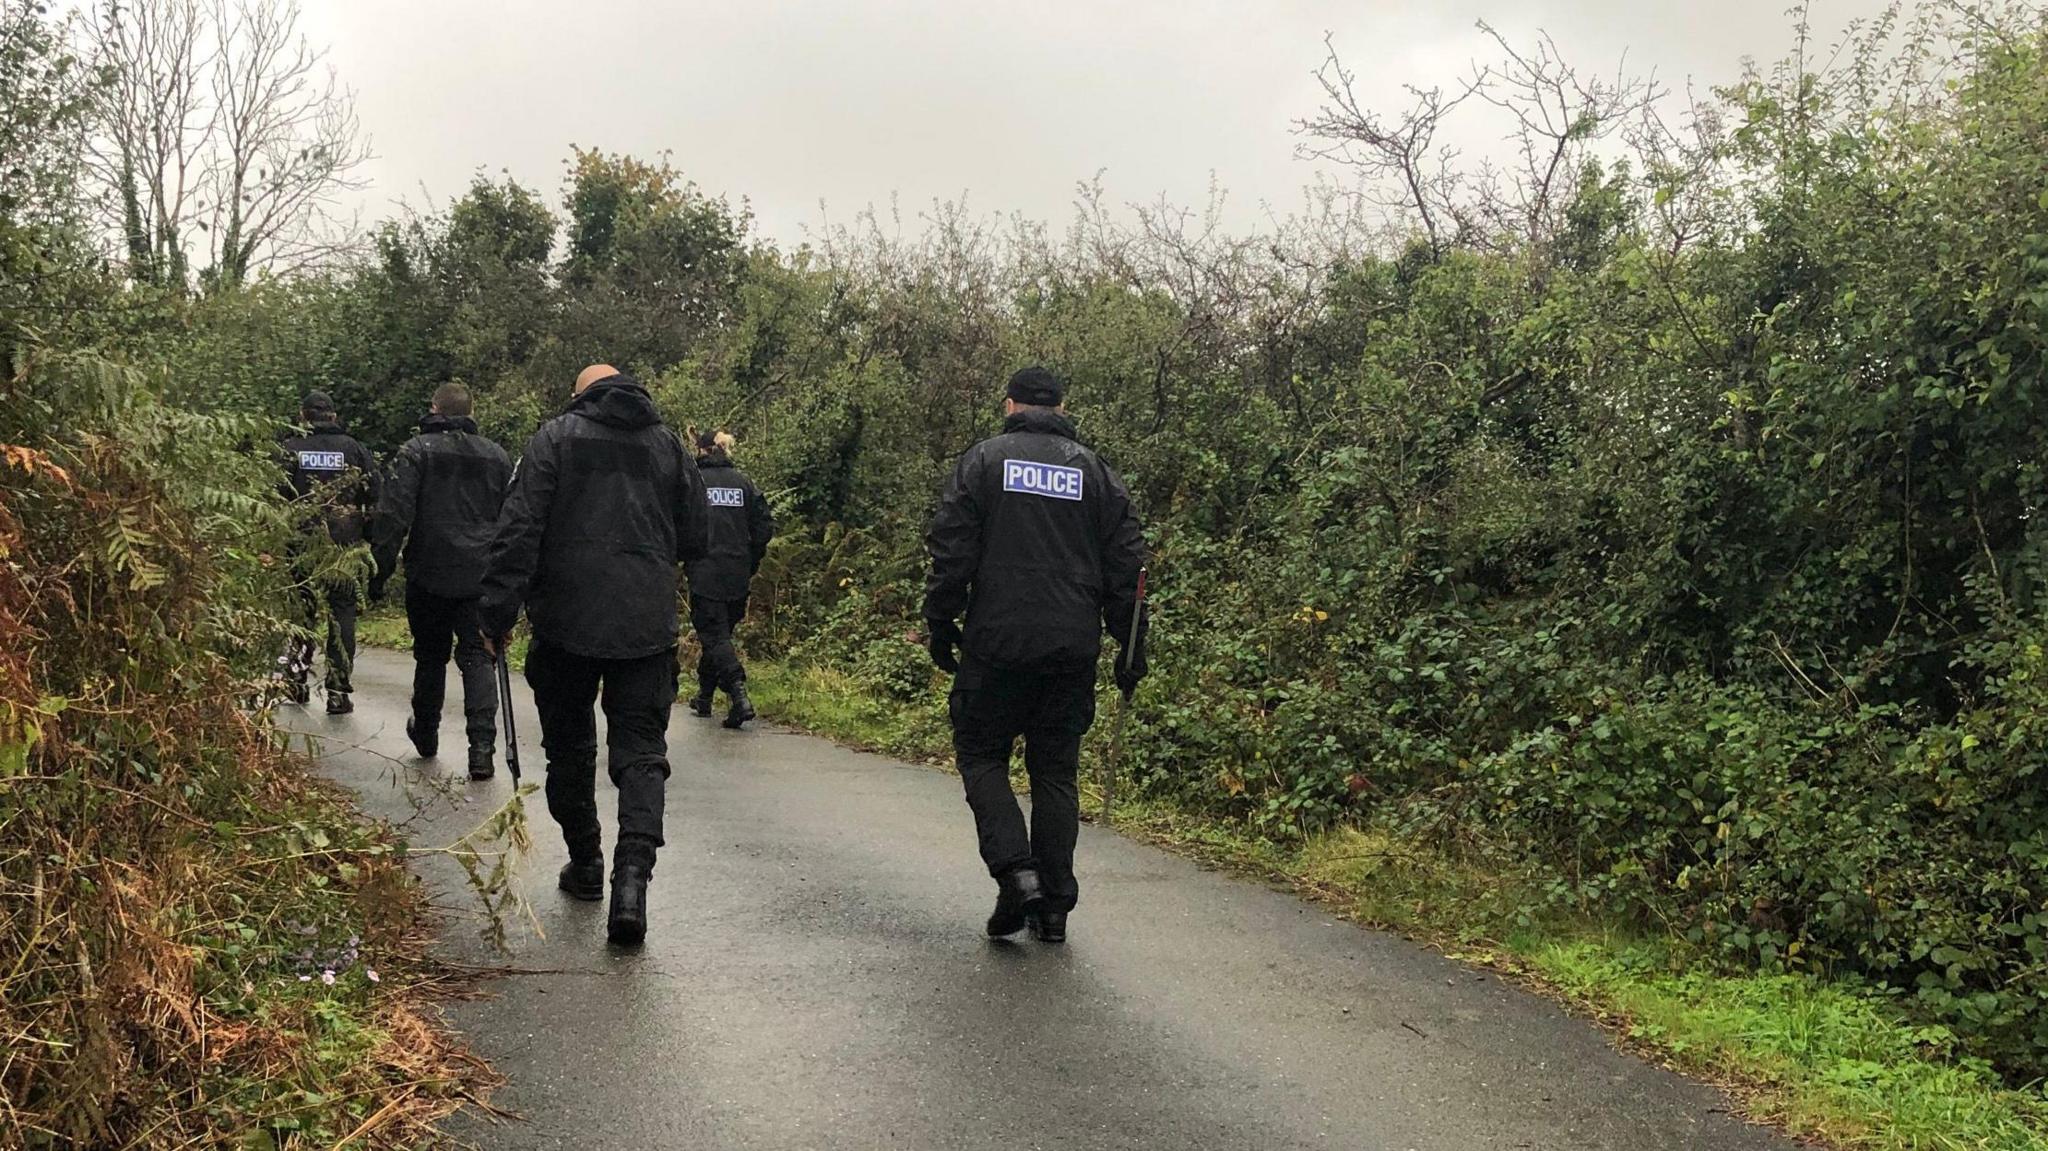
[617,402]
[436,422]
[1041,421]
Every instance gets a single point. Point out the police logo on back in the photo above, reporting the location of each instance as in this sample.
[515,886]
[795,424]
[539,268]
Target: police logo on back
[1053,481]
[322,461]
[727,497]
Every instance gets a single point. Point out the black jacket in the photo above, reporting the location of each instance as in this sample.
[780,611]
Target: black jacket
[441,501]
[741,526]
[339,474]
[1035,540]
[603,505]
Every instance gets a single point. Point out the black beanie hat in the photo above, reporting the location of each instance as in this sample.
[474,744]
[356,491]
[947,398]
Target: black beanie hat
[317,404]
[1037,387]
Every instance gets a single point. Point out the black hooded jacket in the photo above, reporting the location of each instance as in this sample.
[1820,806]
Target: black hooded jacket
[1036,541]
[741,526]
[604,504]
[329,464]
[441,501]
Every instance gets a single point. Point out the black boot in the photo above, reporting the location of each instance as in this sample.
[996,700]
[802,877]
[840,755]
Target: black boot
[583,879]
[338,703]
[627,924]
[1017,899]
[481,764]
[425,740]
[700,706]
[742,707]
[1049,926]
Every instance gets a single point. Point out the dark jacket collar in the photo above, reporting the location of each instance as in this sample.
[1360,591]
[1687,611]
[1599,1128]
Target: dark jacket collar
[326,427]
[616,401]
[1041,421]
[713,459]
[436,422]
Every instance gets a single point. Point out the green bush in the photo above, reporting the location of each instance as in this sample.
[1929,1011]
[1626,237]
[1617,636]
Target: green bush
[1690,562]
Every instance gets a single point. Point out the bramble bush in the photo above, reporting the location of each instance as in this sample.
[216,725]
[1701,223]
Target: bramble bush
[1682,553]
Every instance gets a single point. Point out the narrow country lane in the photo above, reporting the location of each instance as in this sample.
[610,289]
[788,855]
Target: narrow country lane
[815,977]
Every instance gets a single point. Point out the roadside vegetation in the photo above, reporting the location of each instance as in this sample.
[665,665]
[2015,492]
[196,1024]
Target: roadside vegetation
[1672,555]
[1621,562]
[200,944]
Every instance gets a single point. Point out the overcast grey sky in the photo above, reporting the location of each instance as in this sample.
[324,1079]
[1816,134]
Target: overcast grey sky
[789,104]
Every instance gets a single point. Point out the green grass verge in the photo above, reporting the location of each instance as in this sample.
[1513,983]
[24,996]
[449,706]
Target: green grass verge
[832,704]
[1825,1060]
[384,626]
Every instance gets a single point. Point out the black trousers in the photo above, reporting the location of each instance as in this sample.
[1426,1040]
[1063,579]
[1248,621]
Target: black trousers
[338,600]
[718,661]
[1051,710]
[637,695]
[442,626]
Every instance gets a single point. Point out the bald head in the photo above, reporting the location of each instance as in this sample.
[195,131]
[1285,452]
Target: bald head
[592,374]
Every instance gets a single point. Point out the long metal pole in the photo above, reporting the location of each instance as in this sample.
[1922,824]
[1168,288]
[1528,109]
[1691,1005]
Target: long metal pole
[1106,776]
[505,709]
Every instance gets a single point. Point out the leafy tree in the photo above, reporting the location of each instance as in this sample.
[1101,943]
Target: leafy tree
[651,267]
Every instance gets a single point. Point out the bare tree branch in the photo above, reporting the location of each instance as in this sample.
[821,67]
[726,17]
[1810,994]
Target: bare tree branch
[1399,149]
[220,131]
[1557,116]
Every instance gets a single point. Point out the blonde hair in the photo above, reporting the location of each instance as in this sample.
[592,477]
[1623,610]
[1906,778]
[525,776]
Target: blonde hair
[720,441]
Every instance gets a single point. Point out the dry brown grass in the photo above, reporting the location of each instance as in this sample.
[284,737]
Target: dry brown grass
[174,885]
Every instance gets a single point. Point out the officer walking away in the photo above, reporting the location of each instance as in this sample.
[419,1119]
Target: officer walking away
[441,502]
[327,469]
[604,504]
[741,526]
[1036,542]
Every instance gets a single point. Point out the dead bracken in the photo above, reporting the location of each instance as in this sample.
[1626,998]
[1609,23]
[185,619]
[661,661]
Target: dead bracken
[204,945]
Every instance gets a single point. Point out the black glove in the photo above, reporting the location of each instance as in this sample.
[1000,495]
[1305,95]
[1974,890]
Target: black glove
[1131,666]
[377,587]
[1129,670]
[945,636]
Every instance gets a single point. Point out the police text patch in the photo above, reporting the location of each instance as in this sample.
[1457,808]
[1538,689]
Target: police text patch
[1050,480]
[322,461]
[727,497]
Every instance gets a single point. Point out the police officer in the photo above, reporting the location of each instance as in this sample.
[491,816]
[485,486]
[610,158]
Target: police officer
[741,526]
[441,501]
[1036,542]
[327,469]
[604,504]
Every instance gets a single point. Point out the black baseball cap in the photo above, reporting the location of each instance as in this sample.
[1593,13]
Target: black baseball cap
[1037,387]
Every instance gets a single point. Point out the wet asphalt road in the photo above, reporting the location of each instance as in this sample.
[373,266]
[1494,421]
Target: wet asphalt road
[815,977]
